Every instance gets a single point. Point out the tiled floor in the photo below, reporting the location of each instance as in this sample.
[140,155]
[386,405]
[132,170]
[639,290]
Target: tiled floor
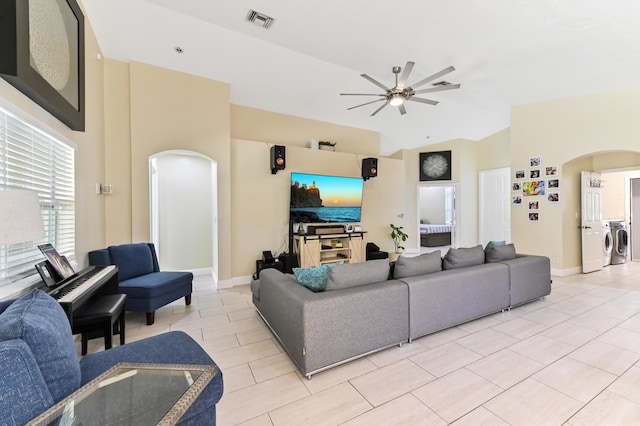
[571,359]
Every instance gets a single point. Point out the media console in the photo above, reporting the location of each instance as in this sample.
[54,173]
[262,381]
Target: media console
[316,250]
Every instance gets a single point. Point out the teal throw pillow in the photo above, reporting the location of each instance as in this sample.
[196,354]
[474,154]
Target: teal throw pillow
[492,244]
[314,278]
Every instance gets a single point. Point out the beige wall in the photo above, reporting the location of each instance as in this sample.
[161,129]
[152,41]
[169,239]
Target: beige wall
[260,200]
[582,129]
[281,129]
[89,154]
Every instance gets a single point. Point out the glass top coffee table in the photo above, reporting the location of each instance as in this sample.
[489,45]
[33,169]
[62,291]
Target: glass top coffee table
[132,394]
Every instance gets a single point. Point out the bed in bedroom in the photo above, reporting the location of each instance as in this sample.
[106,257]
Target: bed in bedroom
[432,235]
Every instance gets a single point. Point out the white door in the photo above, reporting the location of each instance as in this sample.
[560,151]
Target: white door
[634,231]
[591,221]
[495,205]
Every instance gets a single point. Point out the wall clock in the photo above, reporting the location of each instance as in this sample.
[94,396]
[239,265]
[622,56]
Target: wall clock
[435,165]
[42,55]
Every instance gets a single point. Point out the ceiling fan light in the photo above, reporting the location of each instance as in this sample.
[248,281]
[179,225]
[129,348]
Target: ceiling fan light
[396,100]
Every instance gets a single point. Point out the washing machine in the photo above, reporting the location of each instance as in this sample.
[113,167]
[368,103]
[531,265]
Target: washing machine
[607,243]
[620,241]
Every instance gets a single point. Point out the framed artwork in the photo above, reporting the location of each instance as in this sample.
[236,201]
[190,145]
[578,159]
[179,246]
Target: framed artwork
[516,186]
[533,188]
[534,174]
[551,171]
[43,55]
[553,183]
[535,162]
[519,174]
[553,197]
[534,217]
[533,205]
[435,165]
[516,200]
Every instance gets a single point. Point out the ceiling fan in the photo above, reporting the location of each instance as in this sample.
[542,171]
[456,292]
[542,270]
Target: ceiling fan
[398,94]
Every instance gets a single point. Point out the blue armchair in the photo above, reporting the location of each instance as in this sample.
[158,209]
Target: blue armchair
[40,364]
[146,287]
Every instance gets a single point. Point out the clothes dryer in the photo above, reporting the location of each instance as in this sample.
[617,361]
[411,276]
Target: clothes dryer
[620,237]
[607,243]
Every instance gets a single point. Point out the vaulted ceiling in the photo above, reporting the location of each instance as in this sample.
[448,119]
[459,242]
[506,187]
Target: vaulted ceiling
[506,53]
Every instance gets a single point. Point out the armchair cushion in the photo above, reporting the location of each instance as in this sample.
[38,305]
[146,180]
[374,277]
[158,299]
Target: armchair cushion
[133,260]
[39,320]
[23,391]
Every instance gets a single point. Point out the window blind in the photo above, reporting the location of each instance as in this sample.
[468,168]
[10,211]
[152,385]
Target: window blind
[32,159]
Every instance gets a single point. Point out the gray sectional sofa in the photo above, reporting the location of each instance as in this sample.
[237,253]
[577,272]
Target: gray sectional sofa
[366,307]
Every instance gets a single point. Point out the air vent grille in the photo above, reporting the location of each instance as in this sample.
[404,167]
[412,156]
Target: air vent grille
[260,19]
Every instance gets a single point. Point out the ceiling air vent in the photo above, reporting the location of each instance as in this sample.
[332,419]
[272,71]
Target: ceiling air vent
[260,19]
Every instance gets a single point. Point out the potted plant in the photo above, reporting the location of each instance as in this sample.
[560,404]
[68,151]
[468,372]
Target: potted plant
[398,236]
[327,146]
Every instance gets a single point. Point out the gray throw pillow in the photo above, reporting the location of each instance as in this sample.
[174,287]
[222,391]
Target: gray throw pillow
[463,257]
[356,274]
[500,253]
[418,265]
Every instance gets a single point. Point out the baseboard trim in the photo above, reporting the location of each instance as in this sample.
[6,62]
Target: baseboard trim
[566,272]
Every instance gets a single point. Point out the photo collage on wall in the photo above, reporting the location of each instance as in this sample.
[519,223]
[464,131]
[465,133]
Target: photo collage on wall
[535,185]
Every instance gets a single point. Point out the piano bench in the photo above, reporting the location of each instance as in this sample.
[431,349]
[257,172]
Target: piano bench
[103,317]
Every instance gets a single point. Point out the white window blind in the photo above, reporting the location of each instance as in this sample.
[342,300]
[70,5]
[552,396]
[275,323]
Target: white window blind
[31,159]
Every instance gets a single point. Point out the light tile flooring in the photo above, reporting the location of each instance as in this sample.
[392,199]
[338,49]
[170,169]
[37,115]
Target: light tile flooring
[570,359]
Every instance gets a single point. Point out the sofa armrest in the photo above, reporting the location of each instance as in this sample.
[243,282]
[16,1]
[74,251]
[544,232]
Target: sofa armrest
[99,257]
[529,276]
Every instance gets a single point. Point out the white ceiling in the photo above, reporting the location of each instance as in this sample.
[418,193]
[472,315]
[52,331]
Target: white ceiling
[506,52]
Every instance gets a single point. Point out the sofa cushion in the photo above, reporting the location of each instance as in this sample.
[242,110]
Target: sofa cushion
[491,244]
[356,274]
[314,278]
[500,253]
[23,391]
[418,265]
[463,257]
[39,320]
[133,260]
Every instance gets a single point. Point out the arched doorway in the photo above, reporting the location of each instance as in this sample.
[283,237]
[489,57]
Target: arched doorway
[183,188]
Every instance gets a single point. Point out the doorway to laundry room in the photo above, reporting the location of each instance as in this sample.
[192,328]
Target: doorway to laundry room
[620,204]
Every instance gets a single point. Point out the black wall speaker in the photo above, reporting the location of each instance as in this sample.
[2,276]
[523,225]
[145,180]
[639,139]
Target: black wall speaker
[277,158]
[369,168]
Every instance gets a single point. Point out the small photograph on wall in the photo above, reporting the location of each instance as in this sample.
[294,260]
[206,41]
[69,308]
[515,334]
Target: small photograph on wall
[520,174]
[553,197]
[533,205]
[534,217]
[435,166]
[516,200]
[517,186]
[553,183]
[551,171]
[533,188]
[535,162]
[534,174]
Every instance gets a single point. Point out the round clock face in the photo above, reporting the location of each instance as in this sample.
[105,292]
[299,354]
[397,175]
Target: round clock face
[435,166]
[48,42]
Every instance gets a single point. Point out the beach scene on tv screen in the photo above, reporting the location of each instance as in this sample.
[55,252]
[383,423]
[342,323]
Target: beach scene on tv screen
[320,199]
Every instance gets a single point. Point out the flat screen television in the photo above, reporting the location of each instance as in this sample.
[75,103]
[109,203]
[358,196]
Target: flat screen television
[325,199]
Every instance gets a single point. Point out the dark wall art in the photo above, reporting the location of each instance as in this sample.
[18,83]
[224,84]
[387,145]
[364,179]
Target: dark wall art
[435,165]
[42,55]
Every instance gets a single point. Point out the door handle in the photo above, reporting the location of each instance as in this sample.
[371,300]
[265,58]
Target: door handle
[584,227]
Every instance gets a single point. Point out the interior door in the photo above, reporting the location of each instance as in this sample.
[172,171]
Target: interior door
[591,221]
[495,205]
[634,231]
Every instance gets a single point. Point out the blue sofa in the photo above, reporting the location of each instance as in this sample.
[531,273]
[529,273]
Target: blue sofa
[146,287]
[40,366]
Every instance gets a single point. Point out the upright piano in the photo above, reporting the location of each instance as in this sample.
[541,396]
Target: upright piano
[83,287]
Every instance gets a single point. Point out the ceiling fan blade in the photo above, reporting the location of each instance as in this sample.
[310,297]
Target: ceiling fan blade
[437,89]
[433,77]
[376,82]
[376,111]
[422,100]
[405,75]
[367,103]
[361,94]
[402,109]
